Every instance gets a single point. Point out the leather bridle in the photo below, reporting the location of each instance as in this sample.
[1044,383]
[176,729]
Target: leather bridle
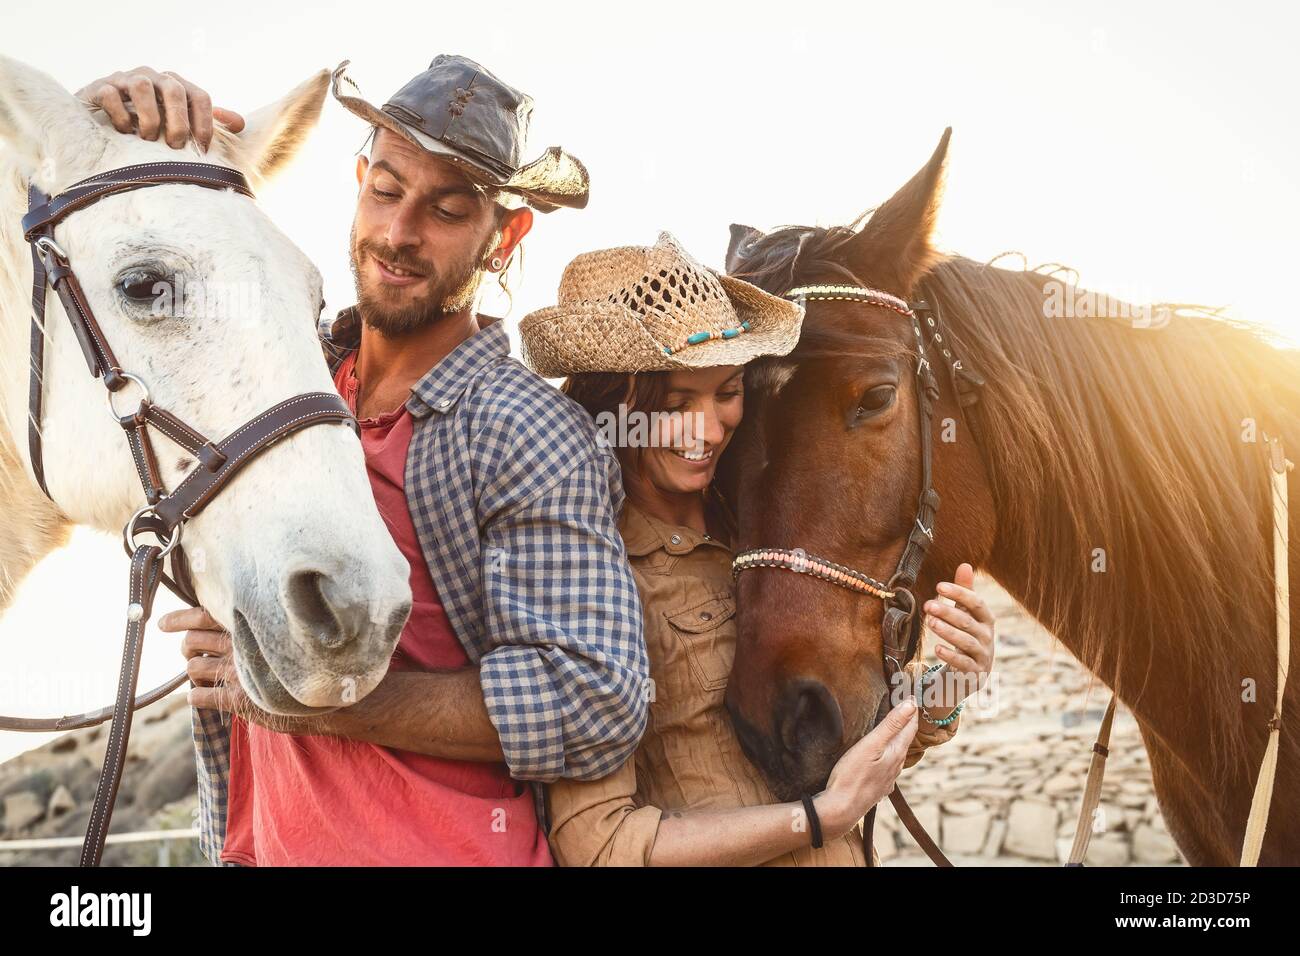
[901,624]
[164,512]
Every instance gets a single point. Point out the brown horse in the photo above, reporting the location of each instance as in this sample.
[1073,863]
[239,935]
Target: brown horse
[1111,477]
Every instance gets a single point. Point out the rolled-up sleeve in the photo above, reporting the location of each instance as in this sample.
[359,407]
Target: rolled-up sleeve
[566,683]
[598,823]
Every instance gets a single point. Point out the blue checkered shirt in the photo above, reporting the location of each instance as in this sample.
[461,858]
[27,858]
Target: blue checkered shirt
[515,506]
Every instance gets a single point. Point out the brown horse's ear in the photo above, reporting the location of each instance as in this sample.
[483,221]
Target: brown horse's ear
[741,238]
[894,248]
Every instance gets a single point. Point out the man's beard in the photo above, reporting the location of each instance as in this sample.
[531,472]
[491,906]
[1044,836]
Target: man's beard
[451,290]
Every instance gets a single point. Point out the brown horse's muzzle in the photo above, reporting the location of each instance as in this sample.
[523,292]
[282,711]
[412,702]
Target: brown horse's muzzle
[804,735]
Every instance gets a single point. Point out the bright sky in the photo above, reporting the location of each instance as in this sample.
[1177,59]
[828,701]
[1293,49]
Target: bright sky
[1146,145]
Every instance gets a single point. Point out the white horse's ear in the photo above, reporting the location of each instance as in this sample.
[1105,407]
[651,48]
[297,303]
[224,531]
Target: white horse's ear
[274,133]
[47,130]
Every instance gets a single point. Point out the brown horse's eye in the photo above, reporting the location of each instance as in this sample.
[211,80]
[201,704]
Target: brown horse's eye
[873,402]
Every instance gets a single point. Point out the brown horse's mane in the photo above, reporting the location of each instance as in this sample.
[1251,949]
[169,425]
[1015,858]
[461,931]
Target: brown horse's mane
[1100,435]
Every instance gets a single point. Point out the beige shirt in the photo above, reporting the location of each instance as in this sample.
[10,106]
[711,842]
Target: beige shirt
[690,757]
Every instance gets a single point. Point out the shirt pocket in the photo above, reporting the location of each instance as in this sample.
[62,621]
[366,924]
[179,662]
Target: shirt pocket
[708,633]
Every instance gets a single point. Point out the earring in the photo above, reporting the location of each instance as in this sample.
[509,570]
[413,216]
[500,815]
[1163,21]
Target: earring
[496,264]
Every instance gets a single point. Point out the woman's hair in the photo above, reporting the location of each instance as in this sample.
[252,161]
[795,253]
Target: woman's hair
[604,392]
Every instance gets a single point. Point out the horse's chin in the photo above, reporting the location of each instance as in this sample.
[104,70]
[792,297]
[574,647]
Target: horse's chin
[791,775]
[806,781]
[259,680]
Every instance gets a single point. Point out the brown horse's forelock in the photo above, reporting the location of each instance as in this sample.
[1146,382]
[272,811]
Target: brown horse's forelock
[1096,434]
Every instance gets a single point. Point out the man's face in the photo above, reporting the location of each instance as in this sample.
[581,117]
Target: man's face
[421,238]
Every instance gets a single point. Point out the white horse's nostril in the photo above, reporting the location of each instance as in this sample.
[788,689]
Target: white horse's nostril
[319,606]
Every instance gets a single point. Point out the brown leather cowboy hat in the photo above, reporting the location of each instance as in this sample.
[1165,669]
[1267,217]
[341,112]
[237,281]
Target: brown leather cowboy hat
[462,113]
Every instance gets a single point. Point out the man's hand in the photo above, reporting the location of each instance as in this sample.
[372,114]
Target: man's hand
[162,102]
[866,773]
[211,668]
[208,660]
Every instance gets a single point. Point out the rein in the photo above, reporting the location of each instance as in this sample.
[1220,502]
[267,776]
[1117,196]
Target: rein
[164,513]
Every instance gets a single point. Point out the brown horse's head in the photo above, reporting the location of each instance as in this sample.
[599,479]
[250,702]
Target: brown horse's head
[827,460]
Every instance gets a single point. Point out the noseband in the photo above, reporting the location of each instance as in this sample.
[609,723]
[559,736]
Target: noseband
[164,513]
[901,625]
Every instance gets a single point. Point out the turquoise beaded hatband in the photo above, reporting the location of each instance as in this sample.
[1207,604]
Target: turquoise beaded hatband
[698,337]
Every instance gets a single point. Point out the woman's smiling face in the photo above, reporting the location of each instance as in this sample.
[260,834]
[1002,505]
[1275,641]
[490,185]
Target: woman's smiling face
[705,407]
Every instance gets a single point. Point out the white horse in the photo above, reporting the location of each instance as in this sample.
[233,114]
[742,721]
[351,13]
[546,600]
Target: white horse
[292,556]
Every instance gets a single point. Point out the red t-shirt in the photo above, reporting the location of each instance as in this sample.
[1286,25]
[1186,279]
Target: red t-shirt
[330,801]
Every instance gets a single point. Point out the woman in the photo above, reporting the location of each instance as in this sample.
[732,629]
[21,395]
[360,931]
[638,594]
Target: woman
[654,345]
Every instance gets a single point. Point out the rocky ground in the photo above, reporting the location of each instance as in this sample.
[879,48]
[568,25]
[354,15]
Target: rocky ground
[48,792]
[1004,791]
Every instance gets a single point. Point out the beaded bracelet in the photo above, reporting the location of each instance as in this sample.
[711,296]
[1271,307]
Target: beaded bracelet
[956,712]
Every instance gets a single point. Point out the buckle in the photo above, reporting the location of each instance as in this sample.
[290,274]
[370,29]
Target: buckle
[46,247]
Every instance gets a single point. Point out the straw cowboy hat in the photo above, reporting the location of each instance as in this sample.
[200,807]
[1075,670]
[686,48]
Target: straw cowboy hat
[460,112]
[646,309]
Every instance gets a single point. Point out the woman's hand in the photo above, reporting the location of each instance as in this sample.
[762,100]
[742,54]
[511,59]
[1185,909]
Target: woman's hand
[968,627]
[866,773]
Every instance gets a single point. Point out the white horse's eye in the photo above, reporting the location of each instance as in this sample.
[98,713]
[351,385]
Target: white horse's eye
[141,286]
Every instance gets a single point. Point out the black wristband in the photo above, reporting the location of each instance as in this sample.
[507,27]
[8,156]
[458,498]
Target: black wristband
[814,822]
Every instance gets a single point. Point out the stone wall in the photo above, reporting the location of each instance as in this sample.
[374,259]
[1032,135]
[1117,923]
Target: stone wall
[48,792]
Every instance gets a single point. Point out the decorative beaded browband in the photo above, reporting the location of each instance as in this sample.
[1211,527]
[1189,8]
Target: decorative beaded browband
[804,563]
[850,293]
[698,337]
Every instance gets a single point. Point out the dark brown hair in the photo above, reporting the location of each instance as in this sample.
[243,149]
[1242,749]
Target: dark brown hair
[600,392]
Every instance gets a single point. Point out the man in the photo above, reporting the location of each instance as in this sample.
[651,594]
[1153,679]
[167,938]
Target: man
[523,658]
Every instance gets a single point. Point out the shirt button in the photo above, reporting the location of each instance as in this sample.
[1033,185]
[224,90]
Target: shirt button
[444,403]
[676,539]
[706,616]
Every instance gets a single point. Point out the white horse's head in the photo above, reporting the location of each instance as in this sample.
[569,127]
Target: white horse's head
[292,556]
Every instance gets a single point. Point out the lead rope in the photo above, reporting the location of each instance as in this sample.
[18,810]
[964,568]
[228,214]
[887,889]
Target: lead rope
[1257,821]
[146,574]
[1092,789]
